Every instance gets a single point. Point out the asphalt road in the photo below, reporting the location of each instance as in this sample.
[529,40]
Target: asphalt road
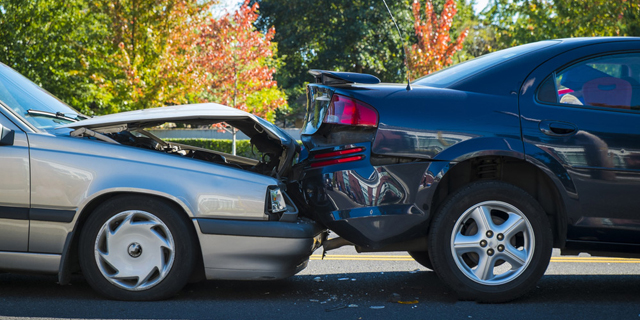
[346,285]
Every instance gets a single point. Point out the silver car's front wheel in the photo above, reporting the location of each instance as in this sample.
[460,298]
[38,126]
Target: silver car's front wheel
[134,250]
[135,247]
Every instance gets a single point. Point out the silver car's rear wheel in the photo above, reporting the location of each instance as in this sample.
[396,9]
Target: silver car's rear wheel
[135,247]
[492,243]
[134,250]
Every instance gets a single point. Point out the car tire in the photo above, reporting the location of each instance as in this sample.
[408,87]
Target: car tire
[497,259]
[135,247]
[422,257]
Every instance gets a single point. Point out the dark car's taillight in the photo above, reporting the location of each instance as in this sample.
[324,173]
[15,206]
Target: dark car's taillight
[339,156]
[349,111]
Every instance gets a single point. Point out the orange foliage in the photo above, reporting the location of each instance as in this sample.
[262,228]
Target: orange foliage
[236,59]
[435,47]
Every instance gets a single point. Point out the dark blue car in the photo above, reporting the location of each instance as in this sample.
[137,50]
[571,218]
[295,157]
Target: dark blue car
[479,170]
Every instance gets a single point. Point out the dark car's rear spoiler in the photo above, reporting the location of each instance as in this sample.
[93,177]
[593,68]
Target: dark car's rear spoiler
[335,77]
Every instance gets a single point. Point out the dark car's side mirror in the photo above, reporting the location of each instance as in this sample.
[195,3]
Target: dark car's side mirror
[6,136]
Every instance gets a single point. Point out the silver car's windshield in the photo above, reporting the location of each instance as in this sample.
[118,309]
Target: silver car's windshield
[34,104]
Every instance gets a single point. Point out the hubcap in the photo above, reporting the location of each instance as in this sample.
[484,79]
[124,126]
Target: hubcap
[488,259]
[119,250]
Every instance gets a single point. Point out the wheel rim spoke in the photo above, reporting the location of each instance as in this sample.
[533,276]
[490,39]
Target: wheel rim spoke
[134,250]
[484,270]
[482,216]
[512,226]
[463,244]
[516,258]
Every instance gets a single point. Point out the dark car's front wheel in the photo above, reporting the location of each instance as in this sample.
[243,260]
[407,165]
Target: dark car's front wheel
[136,248]
[490,242]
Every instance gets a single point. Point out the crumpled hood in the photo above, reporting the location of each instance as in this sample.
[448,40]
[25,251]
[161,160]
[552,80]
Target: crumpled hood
[145,118]
[263,134]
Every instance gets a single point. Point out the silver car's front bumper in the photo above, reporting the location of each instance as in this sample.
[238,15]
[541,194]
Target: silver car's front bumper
[256,250]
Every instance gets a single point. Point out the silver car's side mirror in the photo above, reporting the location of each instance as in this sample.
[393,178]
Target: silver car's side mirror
[6,136]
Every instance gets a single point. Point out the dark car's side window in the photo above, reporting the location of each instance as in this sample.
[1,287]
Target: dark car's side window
[611,81]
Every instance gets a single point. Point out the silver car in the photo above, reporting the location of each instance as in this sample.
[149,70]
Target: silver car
[139,216]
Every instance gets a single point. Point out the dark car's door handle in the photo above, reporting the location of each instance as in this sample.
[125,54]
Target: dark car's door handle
[558,128]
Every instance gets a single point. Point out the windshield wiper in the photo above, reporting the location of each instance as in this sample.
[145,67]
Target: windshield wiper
[57,115]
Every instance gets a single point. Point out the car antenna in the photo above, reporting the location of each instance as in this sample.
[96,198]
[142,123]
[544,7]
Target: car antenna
[404,47]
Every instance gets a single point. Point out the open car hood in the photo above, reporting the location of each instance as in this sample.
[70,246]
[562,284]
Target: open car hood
[262,133]
[189,113]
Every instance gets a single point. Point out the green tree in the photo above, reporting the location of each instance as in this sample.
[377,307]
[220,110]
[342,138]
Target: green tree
[522,21]
[56,44]
[105,56]
[152,49]
[343,35]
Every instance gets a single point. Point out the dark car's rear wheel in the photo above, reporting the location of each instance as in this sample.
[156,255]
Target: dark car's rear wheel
[490,242]
[136,248]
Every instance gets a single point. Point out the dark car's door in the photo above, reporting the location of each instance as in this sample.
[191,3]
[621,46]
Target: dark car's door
[583,108]
[14,187]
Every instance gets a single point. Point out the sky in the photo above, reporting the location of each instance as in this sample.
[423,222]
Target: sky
[225,6]
[480,4]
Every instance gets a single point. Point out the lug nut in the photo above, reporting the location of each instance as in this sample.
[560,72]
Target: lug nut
[483,243]
[490,252]
[489,234]
[500,236]
[500,248]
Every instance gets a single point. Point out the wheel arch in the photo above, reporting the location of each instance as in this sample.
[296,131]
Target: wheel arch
[518,172]
[69,259]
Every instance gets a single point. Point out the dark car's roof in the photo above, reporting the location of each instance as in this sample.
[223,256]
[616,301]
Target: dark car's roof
[504,76]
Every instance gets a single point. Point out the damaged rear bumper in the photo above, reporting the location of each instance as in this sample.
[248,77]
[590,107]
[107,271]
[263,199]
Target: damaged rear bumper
[374,207]
[256,250]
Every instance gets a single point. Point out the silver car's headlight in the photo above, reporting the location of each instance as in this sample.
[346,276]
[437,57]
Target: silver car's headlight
[277,200]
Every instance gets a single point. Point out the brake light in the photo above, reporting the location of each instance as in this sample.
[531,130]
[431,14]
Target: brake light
[348,111]
[349,153]
[337,153]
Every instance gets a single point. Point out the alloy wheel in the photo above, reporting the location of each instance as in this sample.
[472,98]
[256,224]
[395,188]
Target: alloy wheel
[492,243]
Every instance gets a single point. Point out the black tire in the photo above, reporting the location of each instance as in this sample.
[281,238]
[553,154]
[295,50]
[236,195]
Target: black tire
[422,257]
[528,247]
[171,245]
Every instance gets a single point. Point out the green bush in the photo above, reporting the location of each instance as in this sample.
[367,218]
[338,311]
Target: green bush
[243,147]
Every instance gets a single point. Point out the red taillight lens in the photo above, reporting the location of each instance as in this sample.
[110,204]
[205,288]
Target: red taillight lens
[348,152]
[337,153]
[349,111]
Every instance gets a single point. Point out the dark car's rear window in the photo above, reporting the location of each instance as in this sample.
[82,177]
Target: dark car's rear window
[453,74]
